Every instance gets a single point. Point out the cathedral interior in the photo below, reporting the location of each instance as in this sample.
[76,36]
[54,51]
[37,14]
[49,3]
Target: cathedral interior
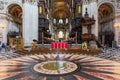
[59,39]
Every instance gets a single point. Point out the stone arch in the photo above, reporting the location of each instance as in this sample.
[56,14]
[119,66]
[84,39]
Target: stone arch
[15,2]
[106,15]
[105,9]
[107,2]
[15,12]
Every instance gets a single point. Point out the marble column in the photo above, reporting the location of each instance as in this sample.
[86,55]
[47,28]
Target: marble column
[117,25]
[117,35]
[3,30]
[94,13]
[30,23]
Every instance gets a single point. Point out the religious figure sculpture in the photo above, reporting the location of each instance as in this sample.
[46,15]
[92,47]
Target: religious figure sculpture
[84,45]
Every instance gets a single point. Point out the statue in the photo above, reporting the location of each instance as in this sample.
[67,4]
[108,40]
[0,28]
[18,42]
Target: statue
[34,45]
[84,45]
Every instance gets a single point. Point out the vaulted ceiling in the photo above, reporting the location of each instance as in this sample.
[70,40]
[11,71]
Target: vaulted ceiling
[61,9]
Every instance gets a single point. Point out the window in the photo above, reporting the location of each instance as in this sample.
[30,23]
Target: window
[60,34]
[60,21]
[40,9]
[66,20]
[79,9]
[54,21]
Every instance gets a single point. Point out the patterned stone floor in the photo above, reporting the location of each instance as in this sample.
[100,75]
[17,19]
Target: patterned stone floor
[110,54]
[89,68]
[4,55]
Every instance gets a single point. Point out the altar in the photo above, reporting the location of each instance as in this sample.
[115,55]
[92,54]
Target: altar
[59,45]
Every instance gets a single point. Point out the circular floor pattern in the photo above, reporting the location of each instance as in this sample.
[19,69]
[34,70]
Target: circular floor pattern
[55,67]
[91,68]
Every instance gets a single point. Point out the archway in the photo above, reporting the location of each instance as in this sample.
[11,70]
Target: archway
[15,20]
[60,34]
[106,23]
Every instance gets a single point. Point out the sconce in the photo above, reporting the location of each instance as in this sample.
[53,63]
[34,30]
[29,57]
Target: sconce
[2,26]
[117,25]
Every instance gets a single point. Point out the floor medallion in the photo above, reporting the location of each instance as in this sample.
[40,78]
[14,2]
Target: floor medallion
[60,66]
[55,67]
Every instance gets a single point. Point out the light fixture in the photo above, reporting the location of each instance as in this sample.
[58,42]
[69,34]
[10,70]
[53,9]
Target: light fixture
[117,25]
[2,25]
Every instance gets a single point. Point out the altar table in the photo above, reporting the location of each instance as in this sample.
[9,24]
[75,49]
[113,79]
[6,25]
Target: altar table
[59,45]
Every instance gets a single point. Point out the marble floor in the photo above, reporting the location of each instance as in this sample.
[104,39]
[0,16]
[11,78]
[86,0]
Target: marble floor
[71,67]
[110,54]
[4,55]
